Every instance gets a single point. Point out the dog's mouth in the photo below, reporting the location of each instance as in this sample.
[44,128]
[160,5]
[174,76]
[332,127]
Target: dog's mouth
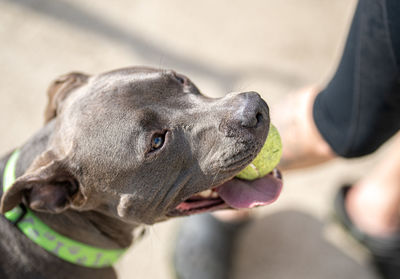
[235,193]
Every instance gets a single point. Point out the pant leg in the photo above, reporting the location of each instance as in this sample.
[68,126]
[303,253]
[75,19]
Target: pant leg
[360,108]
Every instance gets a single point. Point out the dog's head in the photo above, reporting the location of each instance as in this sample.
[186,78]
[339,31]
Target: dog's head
[142,145]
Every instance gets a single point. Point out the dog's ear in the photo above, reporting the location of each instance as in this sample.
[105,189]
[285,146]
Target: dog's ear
[48,187]
[59,90]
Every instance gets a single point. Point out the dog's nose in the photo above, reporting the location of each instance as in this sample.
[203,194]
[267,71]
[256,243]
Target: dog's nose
[248,111]
[253,110]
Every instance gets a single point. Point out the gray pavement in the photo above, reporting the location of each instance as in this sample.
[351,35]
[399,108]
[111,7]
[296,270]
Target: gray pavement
[273,47]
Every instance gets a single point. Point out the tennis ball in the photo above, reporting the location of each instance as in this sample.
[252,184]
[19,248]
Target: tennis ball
[267,159]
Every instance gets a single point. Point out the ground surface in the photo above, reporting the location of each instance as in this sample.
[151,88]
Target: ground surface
[273,47]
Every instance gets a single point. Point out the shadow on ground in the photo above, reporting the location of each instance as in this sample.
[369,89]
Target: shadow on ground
[291,244]
[149,50]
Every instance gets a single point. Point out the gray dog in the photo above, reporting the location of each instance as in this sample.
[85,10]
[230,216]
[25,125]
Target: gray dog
[124,148]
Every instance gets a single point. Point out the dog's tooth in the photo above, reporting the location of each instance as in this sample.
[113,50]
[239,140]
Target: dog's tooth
[214,195]
[205,194]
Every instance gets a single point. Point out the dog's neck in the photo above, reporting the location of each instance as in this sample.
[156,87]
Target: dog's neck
[89,227]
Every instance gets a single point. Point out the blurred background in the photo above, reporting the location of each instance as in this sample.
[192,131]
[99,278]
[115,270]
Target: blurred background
[272,47]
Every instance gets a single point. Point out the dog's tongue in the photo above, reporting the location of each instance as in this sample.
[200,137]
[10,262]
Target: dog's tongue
[239,193]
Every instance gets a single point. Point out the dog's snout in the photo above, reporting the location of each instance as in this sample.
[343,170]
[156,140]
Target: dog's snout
[253,110]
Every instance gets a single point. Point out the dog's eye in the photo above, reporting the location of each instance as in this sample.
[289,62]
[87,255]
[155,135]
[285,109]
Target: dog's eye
[157,141]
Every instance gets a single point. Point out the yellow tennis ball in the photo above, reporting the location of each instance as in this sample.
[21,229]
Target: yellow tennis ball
[267,159]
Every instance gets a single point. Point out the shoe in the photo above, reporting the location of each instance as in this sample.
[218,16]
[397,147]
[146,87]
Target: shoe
[205,247]
[385,251]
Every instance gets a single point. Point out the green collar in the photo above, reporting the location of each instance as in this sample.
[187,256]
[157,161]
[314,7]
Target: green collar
[65,248]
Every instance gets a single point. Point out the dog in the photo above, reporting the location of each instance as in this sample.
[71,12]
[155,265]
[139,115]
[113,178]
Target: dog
[118,150]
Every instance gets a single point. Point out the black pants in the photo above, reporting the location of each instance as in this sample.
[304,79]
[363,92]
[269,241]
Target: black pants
[360,108]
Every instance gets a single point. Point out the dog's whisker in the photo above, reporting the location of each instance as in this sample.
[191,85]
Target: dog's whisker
[215,176]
